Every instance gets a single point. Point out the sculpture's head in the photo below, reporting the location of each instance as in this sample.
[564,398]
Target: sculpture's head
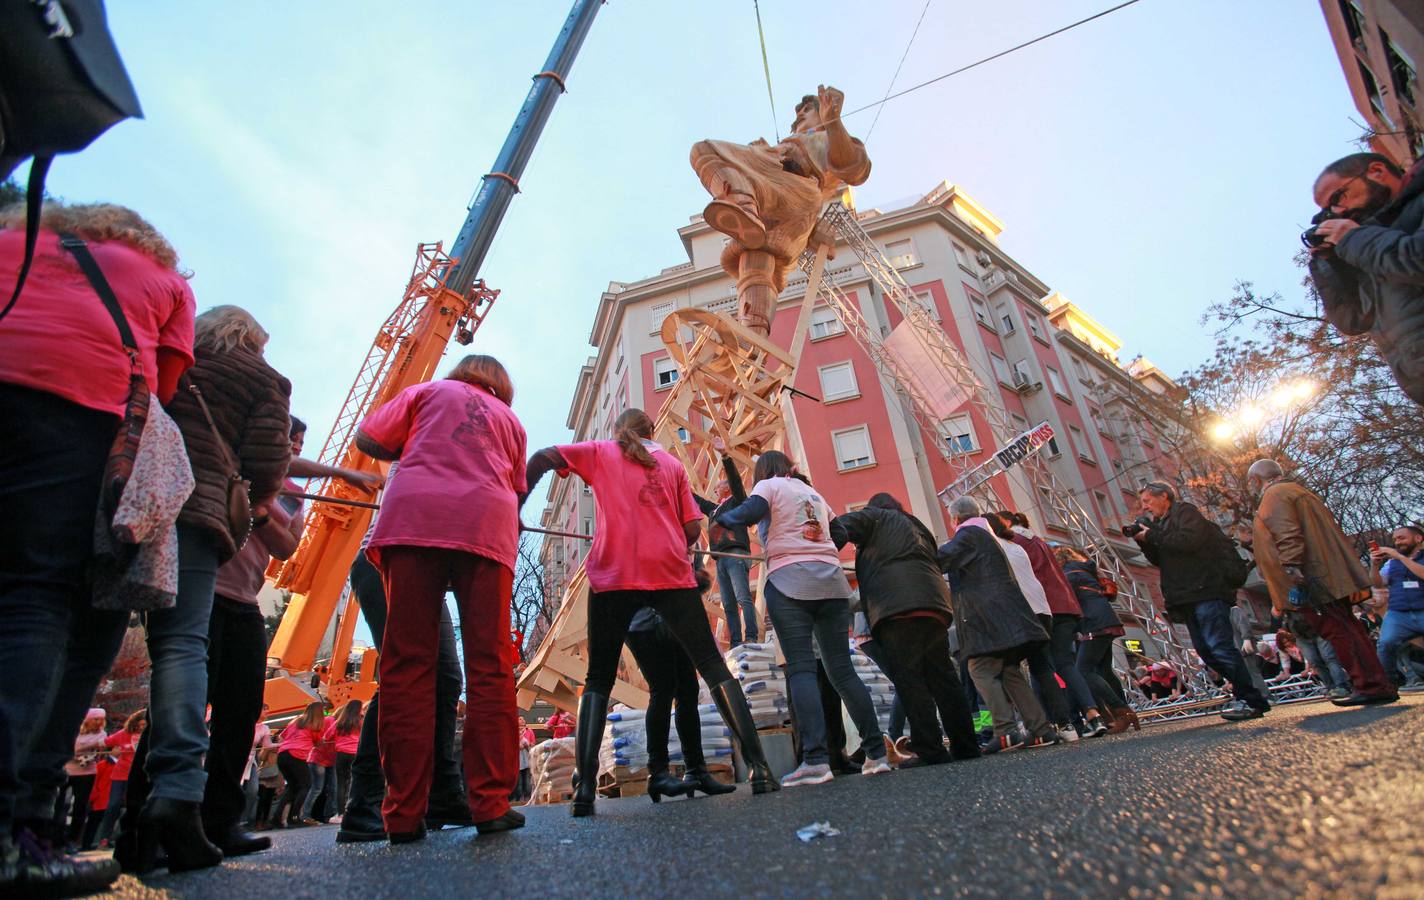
[808,115]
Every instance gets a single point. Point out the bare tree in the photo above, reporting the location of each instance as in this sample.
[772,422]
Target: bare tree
[532,611]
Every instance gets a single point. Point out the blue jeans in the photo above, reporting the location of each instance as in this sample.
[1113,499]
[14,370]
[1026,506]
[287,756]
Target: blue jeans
[1397,628]
[1209,623]
[1318,654]
[318,787]
[178,692]
[828,621]
[735,587]
[51,464]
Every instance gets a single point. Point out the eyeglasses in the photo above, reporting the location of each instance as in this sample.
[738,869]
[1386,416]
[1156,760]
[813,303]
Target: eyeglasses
[1334,199]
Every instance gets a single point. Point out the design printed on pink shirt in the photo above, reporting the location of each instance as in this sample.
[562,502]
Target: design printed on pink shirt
[653,493]
[474,433]
[811,524]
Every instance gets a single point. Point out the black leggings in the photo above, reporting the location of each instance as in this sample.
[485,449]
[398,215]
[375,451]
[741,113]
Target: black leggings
[610,613]
[670,677]
[298,775]
[1095,662]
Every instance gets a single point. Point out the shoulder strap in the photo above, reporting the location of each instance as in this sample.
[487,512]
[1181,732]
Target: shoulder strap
[90,266]
[217,435]
[34,203]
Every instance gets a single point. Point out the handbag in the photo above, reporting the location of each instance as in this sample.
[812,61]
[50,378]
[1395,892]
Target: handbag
[119,466]
[239,498]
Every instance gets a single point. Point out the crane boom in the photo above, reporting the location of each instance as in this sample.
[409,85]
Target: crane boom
[443,297]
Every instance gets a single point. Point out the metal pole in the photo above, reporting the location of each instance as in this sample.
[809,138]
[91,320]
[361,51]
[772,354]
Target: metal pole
[502,183]
[588,537]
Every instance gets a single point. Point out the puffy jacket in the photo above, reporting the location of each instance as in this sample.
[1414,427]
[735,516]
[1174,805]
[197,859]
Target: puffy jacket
[1374,282]
[1098,612]
[992,613]
[894,562]
[248,400]
[1189,552]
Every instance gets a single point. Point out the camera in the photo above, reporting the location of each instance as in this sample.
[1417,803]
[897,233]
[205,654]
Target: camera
[1312,238]
[1138,526]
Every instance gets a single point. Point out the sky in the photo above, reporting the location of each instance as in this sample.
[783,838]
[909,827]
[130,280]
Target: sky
[295,154]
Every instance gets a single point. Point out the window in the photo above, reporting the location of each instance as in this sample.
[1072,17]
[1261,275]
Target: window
[1055,379]
[1035,326]
[1099,424]
[1050,449]
[683,436]
[1020,423]
[852,507]
[1006,319]
[1080,444]
[824,323]
[1001,368]
[960,256]
[1105,510]
[838,382]
[664,373]
[657,313]
[959,433]
[925,299]
[1402,73]
[1373,92]
[1050,509]
[902,254]
[853,448]
[1080,370]
[727,306]
[1354,22]
[1022,373]
[587,525]
[981,312]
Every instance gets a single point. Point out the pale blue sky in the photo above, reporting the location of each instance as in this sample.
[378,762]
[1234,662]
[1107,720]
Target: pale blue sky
[296,153]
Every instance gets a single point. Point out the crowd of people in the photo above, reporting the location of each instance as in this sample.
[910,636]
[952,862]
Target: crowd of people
[148,471]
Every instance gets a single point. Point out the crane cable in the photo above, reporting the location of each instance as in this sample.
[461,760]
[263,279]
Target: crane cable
[893,78]
[766,68]
[961,69]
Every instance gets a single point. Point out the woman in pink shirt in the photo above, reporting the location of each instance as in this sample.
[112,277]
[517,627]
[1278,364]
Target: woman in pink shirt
[449,522]
[646,521]
[293,753]
[344,734]
[123,742]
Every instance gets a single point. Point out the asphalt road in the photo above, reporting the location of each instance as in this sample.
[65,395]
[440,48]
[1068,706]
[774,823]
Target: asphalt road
[1309,801]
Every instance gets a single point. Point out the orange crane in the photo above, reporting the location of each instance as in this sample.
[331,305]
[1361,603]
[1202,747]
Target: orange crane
[443,298]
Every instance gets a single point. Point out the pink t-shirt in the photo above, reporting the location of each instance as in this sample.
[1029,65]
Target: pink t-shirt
[324,747]
[342,743]
[122,741]
[59,338]
[638,544]
[298,741]
[799,529]
[461,471]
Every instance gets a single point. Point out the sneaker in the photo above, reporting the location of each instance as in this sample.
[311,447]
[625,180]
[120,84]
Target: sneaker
[1338,693]
[1412,687]
[1049,739]
[875,767]
[808,774]
[1004,743]
[1097,727]
[1069,734]
[1240,711]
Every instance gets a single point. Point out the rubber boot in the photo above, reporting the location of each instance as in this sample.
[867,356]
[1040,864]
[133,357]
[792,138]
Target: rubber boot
[732,704]
[592,714]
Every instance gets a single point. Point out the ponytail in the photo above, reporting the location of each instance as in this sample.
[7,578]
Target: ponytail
[630,430]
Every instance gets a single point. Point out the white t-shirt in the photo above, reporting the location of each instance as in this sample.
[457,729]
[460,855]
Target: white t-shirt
[799,526]
[1023,572]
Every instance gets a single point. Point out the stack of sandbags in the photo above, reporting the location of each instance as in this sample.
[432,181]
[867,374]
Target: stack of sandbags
[763,681]
[551,768]
[882,690]
[625,739]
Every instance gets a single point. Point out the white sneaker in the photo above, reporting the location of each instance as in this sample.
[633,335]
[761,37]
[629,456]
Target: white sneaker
[875,766]
[1069,734]
[808,774]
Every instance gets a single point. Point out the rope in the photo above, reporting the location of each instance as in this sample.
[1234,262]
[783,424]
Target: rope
[891,86]
[766,69]
[962,69]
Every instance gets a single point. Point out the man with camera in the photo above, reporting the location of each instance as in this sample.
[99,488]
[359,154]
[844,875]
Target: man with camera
[1191,554]
[1367,258]
[1309,566]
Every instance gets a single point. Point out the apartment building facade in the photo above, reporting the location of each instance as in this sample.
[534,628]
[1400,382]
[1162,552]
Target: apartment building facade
[1043,357]
[1381,46]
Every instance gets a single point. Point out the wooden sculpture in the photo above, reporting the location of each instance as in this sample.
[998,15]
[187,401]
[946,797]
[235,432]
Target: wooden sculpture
[768,199]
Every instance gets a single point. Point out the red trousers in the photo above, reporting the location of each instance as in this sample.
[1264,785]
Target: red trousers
[1337,623]
[416,579]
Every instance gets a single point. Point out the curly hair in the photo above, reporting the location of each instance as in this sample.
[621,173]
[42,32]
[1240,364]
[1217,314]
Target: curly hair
[100,222]
[223,329]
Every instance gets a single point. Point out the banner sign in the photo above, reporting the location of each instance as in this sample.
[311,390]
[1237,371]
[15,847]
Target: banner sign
[1019,449]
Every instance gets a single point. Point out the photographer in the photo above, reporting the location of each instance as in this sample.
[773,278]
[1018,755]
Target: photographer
[1189,551]
[1367,258]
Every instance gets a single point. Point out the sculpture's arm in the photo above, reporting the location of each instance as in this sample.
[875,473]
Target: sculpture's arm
[844,151]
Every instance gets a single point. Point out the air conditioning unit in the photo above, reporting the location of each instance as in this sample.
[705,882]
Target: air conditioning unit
[1025,385]
[984,259]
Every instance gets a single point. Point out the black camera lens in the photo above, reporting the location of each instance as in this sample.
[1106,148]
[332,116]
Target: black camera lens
[1312,238]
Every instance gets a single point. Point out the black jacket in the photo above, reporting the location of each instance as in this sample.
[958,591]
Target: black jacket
[719,536]
[992,613]
[895,564]
[1374,282]
[1188,551]
[1098,612]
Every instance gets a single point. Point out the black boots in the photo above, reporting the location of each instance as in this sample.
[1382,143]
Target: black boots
[176,826]
[732,704]
[234,841]
[592,714]
[699,779]
[661,784]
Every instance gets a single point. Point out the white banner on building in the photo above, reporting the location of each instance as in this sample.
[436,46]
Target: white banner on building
[945,395]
